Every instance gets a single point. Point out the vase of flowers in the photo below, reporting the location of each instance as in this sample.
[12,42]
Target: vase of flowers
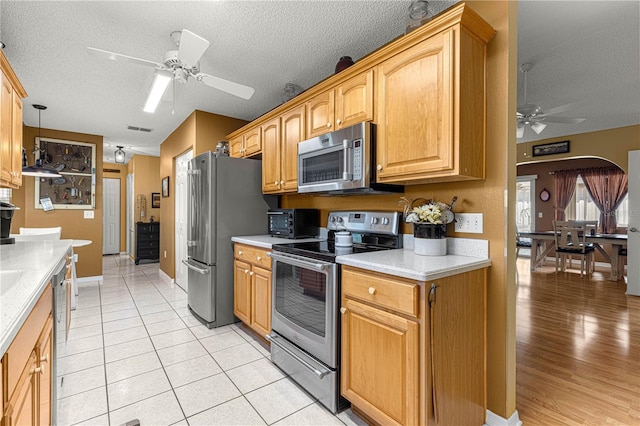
[430,219]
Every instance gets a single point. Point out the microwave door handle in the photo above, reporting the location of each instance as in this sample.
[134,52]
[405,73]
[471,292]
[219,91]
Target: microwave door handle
[347,168]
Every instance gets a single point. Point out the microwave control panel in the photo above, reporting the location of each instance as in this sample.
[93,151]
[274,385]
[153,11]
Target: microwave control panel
[357,159]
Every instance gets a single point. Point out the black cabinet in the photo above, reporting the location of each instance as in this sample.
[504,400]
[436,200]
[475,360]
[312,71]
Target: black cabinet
[147,241]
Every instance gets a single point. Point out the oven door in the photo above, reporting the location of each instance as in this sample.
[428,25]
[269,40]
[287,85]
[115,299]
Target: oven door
[305,297]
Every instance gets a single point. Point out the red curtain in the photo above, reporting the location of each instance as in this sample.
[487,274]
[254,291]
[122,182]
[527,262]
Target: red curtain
[564,185]
[607,187]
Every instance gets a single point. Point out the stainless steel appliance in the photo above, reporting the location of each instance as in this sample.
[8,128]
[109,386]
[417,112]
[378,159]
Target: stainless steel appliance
[305,321]
[59,288]
[341,162]
[293,223]
[225,199]
[6,214]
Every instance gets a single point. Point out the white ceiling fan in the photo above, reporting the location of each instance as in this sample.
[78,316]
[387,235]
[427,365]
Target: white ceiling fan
[178,65]
[534,116]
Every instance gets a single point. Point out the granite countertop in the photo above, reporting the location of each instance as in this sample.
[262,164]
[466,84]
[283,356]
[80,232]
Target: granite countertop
[404,263]
[266,241]
[37,260]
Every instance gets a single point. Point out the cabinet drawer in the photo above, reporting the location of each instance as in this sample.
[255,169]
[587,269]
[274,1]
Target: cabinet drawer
[148,253]
[254,255]
[148,237]
[148,244]
[22,346]
[386,291]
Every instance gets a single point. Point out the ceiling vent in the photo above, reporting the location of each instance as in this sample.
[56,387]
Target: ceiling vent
[139,129]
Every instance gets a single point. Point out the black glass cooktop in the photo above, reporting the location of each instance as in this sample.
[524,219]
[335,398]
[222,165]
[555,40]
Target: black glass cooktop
[325,250]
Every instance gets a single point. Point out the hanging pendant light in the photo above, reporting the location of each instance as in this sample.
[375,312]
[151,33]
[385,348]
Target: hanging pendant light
[37,169]
[119,155]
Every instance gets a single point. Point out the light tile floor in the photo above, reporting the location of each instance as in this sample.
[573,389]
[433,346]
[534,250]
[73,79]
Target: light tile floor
[135,352]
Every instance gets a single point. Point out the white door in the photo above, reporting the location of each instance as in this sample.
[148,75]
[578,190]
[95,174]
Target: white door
[181,198]
[633,230]
[110,216]
[130,221]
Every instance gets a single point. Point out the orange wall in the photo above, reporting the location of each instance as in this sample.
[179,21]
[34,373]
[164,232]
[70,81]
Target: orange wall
[146,180]
[122,176]
[72,221]
[487,197]
[201,131]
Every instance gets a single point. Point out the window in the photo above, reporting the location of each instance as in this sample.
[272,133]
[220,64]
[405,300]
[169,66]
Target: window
[582,206]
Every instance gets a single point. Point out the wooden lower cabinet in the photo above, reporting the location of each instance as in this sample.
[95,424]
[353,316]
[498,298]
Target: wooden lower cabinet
[252,287]
[27,370]
[413,352]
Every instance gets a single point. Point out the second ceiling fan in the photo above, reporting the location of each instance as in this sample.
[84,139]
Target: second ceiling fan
[178,65]
[534,116]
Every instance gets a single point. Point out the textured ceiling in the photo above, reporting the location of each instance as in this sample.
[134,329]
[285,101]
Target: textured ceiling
[585,54]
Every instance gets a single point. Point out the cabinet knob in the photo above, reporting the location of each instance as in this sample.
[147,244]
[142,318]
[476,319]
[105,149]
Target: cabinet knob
[44,358]
[251,273]
[37,370]
[372,290]
[338,121]
[281,182]
[240,252]
[328,124]
[246,271]
[343,310]
[259,258]
[379,167]
[275,183]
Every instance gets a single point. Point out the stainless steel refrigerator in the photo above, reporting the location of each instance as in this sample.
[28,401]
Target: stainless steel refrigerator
[225,200]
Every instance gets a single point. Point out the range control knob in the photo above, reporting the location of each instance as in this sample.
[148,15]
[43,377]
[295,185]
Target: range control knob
[375,220]
[385,220]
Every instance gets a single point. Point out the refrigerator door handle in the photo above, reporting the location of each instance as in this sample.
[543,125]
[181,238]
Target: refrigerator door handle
[195,268]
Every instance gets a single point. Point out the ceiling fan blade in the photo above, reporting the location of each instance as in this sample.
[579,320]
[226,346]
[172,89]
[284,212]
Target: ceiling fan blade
[191,48]
[120,57]
[563,120]
[239,90]
[556,110]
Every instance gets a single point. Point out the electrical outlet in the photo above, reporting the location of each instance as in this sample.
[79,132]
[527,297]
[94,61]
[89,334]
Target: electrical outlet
[75,257]
[88,214]
[540,215]
[469,222]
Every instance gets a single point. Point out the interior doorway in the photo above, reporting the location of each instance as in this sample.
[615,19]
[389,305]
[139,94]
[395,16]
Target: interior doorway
[110,216]
[181,200]
[526,203]
[130,221]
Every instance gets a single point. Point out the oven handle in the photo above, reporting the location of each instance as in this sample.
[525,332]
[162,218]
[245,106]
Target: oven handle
[319,373]
[295,261]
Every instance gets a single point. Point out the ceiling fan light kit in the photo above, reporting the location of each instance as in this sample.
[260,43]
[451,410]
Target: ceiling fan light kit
[160,83]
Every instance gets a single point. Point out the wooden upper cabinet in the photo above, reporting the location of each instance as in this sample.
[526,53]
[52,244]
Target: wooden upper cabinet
[6,143]
[292,135]
[235,146]
[430,108]
[271,156]
[349,103]
[11,94]
[16,142]
[247,144]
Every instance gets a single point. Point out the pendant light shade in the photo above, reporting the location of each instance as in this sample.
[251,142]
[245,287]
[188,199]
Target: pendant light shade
[119,155]
[37,169]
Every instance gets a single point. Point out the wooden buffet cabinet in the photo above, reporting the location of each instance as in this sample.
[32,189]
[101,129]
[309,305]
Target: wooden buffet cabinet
[425,91]
[11,95]
[413,352]
[26,368]
[252,287]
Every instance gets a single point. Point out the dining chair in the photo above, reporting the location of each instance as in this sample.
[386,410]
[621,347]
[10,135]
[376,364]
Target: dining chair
[43,233]
[521,243]
[570,241]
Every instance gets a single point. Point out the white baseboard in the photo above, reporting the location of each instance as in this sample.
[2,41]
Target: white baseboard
[165,277]
[88,279]
[495,420]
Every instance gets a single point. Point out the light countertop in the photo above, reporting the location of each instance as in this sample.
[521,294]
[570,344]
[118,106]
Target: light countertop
[404,263]
[266,241]
[37,260]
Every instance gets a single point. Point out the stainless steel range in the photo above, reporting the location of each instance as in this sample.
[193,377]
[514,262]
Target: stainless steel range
[305,337]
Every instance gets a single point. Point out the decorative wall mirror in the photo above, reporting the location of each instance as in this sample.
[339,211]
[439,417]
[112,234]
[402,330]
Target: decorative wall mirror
[75,161]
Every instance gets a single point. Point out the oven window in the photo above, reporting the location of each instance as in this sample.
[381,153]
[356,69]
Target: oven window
[323,167]
[301,297]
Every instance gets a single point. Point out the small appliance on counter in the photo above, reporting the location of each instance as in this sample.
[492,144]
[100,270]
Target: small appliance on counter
[293,223]
[6,214]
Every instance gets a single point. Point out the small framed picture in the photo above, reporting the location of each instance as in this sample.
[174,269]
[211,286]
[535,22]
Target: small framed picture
[155,200]
[165,186]
[551,148]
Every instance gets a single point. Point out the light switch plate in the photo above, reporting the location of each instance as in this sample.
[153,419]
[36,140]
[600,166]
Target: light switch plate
[88,214]
[469,222]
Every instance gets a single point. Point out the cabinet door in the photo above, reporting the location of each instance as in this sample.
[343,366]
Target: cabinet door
[292,134]
[23,409]
[252,142]
[6,96]
[320,114]
[16,139]
[235,147]
[271,156]
[380,364]
[414,111]
[242,291]
[44,352]
[354,100]
[261,301]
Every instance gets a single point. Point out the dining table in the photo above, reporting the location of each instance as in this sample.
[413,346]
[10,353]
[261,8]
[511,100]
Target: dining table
[544,242]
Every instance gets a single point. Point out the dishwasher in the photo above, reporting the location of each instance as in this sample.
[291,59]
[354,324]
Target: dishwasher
[59,285]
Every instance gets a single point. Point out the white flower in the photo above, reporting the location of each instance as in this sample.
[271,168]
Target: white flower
[429,212]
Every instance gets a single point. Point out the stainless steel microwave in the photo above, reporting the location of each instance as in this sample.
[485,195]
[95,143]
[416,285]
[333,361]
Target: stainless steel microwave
[341,163]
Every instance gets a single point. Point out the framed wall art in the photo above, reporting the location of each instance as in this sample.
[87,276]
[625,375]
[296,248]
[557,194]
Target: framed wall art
[165,186]
[155,200]
[551,148]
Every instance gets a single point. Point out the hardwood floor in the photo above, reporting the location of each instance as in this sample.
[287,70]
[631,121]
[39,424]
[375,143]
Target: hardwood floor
[577,349]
